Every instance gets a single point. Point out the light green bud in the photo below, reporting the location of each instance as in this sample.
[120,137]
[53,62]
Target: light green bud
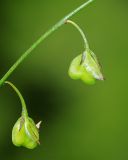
[86,67]
[25,133]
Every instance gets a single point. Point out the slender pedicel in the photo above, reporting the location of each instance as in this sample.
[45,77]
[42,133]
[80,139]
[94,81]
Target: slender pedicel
[86,45]
[24,108]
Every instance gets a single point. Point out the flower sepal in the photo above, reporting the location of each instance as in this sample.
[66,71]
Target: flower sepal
[25,133]
[86,67]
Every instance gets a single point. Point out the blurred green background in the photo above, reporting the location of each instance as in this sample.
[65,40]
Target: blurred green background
[79,121]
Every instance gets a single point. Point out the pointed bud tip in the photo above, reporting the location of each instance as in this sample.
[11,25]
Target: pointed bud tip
[38,124]
[102,78]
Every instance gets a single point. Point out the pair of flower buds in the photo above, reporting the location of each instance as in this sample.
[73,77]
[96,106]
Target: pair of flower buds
[85,67]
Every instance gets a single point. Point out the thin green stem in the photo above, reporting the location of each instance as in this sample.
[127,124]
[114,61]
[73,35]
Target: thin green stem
[86,45]
[44,36]
[24,109]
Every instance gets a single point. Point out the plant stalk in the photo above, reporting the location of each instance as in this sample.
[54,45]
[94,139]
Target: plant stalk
[42,38]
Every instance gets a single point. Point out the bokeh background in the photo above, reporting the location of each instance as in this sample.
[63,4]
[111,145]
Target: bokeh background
[79,121]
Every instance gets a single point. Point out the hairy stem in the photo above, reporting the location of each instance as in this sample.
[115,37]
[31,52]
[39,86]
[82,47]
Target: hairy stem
[44,36]
[24,109]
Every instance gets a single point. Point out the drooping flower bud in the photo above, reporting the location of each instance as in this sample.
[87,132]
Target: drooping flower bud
[25,133]
[86,67]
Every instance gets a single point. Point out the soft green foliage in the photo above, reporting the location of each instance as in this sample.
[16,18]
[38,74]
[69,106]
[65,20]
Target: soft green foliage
[86,68]
[25,133]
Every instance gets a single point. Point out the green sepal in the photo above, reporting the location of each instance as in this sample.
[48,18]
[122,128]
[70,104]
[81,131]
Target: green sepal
[25,133]
[86,68]
[92,65]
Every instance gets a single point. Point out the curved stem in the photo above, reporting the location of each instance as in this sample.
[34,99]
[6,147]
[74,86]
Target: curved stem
[44,36]
[24,109]
[86,45]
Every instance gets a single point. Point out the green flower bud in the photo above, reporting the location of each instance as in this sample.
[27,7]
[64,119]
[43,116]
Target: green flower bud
[86,67]
[25,133]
